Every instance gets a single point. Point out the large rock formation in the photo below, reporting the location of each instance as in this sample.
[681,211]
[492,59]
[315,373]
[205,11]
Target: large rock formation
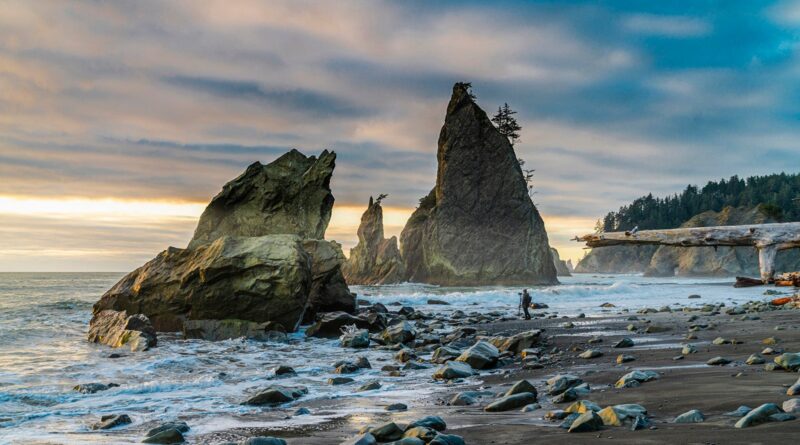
[478,225]
[375,259]
[695,261]
[257,256]
[291,195]
[562,269]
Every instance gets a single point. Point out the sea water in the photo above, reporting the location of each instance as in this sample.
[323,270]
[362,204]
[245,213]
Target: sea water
[44,354]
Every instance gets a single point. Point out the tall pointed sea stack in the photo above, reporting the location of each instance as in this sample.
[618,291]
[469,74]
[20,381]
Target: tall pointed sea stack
[478,226]
[375,259]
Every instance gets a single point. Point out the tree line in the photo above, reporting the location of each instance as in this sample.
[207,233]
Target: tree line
[776,194]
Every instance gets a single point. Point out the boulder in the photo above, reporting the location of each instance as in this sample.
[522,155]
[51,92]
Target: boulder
[435,423]
[718,361]
[117,329]
[268,440]
[291,195]
[586,422]
[399,333]
[520,387]
[478,226]
[257,279]
[481,355]
[635,378]
[276,395]
[624,343]
[691,416]
[508,403]
[759,415]
[517,342]
[176,425]
[562,382]
[355,338]
[167,436]
[420,432]
[443,354]
[791,406]
[789,361]
[375,259]
[387,432]
[453,370]
[582,406]
[447,439]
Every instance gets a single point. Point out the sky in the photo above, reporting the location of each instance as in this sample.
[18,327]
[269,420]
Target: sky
[120,120]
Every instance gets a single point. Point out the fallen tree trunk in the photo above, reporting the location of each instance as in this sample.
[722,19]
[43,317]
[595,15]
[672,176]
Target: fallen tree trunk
[767,238]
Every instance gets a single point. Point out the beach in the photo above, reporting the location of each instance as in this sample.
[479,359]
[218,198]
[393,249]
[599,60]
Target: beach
[204,383]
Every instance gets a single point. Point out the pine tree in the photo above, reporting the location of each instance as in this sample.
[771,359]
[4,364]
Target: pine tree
[507,124]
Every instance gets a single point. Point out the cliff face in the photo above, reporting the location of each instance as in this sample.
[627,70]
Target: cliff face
[694,261]
[257,255]
[478,225]
[722,261]
[375,259]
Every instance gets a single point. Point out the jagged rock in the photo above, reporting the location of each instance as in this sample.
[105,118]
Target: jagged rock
[562,382]
[257,255]
[374,260]
[291,195]
[562,269]
[117,329]
[522,386]
[256,279]
[478,225]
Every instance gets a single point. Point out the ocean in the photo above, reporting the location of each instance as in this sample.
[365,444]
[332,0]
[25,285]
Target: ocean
[44,354]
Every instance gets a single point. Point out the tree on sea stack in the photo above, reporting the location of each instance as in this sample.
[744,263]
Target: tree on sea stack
[506,123]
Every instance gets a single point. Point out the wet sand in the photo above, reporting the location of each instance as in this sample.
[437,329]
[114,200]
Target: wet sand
[684,385]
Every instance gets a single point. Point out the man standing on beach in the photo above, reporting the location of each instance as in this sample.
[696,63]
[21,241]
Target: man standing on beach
[526,303]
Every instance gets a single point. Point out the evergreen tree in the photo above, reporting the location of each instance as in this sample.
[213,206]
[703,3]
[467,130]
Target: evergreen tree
[776,195]
[507,124]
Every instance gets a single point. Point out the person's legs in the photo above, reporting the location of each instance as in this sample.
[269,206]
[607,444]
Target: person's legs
[527,314]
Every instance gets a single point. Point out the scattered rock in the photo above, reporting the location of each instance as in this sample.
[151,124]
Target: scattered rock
[582,406]
[91,388]
[387,432]
[739,412]
[363,439]
[447,439]
[269,440]
[371,386]
[355,338]
[624,343]
[718,361]
[167,436]
[397,407]
[586,422]
[276,395]
[591,353]
[435,423]
[508,403]
[624,358]
[755,359]
[481,355]
[688,349]
[453,370]
[791,406]
[399,333]
[518,342]
[693,416]
[522,386]
[112,421]
[635,378]
[758,416]
[340,380]
[788,361]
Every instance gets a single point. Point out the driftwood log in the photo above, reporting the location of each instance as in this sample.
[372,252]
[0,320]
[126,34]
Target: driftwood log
[768,239]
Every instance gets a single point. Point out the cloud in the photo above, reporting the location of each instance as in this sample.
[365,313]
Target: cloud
[153,101]
[668,26]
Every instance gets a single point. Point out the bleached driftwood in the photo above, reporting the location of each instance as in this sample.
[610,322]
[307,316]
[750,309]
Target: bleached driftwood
[767,238]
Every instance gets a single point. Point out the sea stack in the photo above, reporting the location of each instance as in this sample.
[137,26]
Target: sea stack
[258,260]
[478,226]
[562,268]
[375,259]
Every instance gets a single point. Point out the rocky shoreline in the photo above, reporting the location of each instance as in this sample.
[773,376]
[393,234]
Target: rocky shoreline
[516,394]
